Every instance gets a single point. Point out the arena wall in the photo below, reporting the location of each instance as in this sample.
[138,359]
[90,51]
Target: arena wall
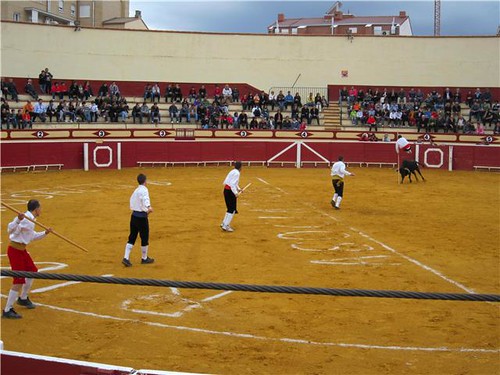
[116,149]
[259,60]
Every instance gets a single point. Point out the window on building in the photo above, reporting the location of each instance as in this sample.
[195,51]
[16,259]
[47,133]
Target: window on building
[16,17]
[84,11]
[285,31]
[73,10]
[377,30]
[295,31]
[61,6]
[353,30]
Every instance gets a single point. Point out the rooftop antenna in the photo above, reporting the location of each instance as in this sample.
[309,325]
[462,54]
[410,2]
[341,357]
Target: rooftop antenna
[437,17]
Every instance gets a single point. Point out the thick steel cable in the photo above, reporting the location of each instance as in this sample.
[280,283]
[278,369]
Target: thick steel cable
[257,288]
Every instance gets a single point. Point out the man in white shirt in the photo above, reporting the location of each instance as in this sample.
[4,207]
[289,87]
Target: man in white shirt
[338,172]
[231,192]
[140,205]
[403,144]
[21,233]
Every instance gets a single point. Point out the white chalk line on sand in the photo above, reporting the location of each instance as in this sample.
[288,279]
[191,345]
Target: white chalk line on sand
[410,259]
[276,339]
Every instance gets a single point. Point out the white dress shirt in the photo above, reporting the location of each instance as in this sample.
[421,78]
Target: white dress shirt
[338,169]
[139,200]
[23,231]
[232,180]
[401,143]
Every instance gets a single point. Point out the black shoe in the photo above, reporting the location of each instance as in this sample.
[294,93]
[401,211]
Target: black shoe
[337,208]
[332,203]
[11,314]
[148,260]
[26,303]
[126,262]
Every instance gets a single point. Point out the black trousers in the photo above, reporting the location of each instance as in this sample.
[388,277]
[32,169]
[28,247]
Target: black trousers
[139,225]
[230,199]
[338,185]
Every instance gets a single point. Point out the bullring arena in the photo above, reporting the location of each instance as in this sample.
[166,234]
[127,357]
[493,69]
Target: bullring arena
[440,235]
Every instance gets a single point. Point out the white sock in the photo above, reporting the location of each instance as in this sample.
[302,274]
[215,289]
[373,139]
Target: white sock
[128,249]
[229,218]
[335,197]
[144,250]
[339,199]
[225,219]
[11,299]
[26,288]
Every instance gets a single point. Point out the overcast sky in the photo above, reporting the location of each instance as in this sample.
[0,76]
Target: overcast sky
[458,17]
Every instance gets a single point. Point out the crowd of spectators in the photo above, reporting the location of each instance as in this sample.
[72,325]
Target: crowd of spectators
[77,103]
[432,112]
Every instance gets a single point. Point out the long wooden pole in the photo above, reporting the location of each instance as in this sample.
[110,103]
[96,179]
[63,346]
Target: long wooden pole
[242,190]
[45,227]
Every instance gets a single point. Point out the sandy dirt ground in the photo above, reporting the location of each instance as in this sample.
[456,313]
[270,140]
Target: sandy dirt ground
[439,236]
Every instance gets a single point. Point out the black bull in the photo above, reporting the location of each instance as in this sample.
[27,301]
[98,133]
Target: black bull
[407,168]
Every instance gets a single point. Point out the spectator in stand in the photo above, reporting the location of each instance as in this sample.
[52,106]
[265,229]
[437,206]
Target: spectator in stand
[173,111]
[201,112]
[184,112]
[155,114]
[5,109]
[202,92]
[457,96]
[256,100]
[287,123]
[288,100]
[278,120]
[71,111]
[114,90]
[486,96]
[344,94]
[28,107]
[447,95]
[304,114]
[113,112]
[60,111]
[318,102]
[243,120]
[192,95]
[280,100]
[419,97]
[5,90]
[310,100]
[217,93]
[480,128]
[475,111]
[155,93]
[353,95]
[123,109]
[94,112]
[177,93]
[372,122]
[48,81]
[401,96]
[42,82]
[73,90]
[103,90]
[26,120]
[254,123]
[55,91]
[456,109]
[412,95]
[478,95]
[40,111]
[488,116]
[87,90]
[51,110]
[227,93]
[297,100]
[30,89]
[169,93]
[256,111]
[469,99]
[147,92]
[272,100]
[145,113]
[136,113]
[314,115]
[236,95]
[193,113]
